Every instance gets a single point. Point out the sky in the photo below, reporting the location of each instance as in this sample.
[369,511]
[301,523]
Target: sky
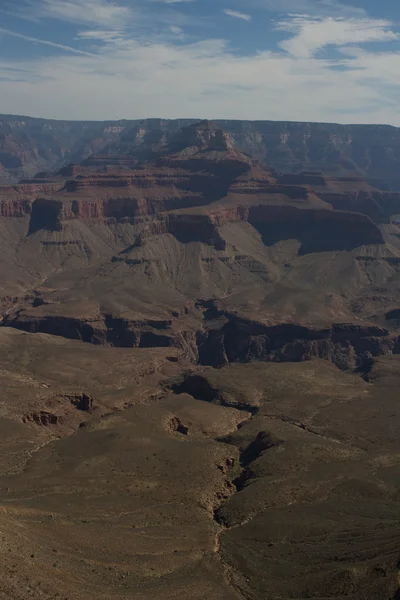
[297,60]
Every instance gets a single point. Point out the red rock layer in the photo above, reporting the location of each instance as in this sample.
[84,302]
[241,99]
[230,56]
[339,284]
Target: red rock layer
[14,208]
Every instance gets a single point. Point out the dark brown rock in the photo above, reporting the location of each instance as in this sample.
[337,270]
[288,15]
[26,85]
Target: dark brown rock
[82,402]
[42,418]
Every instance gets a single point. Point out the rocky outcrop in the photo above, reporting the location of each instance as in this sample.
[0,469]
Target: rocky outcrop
[318,230]
[83,402]
[16,201]
[175,425]
[14,208]
[379,206]
[346,345]
[34,188]
[41,417]
[351,193]
[106,331]
[185,228]
[204,136]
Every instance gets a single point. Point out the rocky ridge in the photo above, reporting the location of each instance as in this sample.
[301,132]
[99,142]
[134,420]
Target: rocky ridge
[30,145]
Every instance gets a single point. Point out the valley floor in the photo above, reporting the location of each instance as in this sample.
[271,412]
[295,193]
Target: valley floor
[252,481]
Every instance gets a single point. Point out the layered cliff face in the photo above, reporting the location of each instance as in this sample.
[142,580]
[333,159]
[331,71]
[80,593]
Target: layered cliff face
[31,145]
[208,170]
[202,221]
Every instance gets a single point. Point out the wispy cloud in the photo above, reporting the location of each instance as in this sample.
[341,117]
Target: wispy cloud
[312,7]
[313,34]
[101,13]
[98,35]
[28,38]
[237,14]
[175,29]
[151,19]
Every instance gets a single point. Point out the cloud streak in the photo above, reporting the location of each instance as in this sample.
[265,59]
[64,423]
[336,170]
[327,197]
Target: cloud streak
[28,38]
[313,7]
[236,14]
[101,13]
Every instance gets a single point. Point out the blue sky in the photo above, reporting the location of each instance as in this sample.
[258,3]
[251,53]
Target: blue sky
[311,60]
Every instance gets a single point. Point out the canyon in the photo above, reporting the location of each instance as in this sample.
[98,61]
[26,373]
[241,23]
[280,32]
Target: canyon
[200,359]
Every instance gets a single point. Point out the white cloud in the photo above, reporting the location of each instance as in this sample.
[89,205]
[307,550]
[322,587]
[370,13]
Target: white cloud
[313,34]
[128,78]
[237,14]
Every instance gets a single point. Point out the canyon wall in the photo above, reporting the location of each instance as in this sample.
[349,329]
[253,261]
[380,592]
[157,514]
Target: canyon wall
[348,346]
[373,151]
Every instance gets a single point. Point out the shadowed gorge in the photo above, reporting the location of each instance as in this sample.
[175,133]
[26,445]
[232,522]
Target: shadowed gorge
[45,214]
